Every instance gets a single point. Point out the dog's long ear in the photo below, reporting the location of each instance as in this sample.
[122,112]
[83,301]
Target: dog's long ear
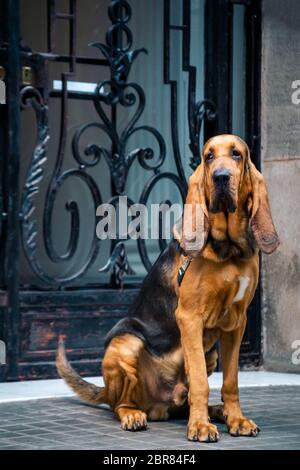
[194,229]
[261,221]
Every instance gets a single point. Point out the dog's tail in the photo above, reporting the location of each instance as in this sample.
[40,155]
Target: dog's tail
[85,390]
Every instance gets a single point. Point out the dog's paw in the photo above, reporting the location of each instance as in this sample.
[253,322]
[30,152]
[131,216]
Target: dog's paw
[134,421]
[241,426]
[202,432]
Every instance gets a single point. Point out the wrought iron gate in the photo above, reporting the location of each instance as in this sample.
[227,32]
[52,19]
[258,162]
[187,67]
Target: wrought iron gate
[40,297]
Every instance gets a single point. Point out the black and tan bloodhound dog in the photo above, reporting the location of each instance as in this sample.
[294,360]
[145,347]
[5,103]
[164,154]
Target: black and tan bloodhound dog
[158,358]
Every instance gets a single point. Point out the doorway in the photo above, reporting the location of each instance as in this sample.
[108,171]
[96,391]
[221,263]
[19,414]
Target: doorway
[107,98]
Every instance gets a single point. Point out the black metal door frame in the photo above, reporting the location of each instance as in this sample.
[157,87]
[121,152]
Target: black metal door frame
[218,87]
[10,132]
[26,313]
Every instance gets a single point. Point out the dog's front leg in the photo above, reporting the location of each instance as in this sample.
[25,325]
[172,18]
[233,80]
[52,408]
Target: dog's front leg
[191,330]
[237,423]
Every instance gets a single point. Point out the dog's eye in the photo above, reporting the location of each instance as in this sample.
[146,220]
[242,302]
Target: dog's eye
[236,155]
[209,157]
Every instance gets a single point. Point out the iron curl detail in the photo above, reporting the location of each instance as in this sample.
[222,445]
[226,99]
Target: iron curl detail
[117,265]
[110,94]
[91,150]
[73,209]
[30,97]
[151,183]
[202,110]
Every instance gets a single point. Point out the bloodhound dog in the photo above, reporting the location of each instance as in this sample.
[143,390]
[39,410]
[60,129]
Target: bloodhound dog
[158,358]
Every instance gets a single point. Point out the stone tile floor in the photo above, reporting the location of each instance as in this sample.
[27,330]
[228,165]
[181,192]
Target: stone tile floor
[66,423]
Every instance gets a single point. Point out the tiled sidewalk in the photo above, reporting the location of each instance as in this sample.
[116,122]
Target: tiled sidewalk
[66,423]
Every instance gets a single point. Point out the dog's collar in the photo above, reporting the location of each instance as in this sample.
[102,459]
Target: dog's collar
[183,268]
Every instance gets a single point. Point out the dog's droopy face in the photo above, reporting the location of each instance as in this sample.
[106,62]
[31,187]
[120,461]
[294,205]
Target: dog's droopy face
[224,159]
[226,180]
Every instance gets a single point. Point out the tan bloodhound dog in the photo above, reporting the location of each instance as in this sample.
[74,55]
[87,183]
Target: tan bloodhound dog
[158,358]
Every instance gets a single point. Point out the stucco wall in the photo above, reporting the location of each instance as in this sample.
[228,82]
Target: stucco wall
[281,167]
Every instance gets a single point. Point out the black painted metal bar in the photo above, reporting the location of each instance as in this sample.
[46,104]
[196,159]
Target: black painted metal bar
[253,135]
[192,73]
[3,139]
[71,17]
[177,27]
[218,59]
[117,250]
[242,2]
[3,23]
[75,95]
[50,25]
[73,35]
[253,74]
[174,94]
[79,59]
[12,171]
[64,16]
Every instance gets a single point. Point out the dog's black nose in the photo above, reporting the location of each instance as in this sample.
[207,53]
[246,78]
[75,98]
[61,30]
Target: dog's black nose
[221,176]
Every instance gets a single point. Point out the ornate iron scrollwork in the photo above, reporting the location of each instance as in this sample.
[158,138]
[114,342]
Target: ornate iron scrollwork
[118,91]
[113,92]
[30,97]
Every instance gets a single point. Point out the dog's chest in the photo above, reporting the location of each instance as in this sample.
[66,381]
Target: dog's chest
[231,313]
[224,298]
[234,285]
